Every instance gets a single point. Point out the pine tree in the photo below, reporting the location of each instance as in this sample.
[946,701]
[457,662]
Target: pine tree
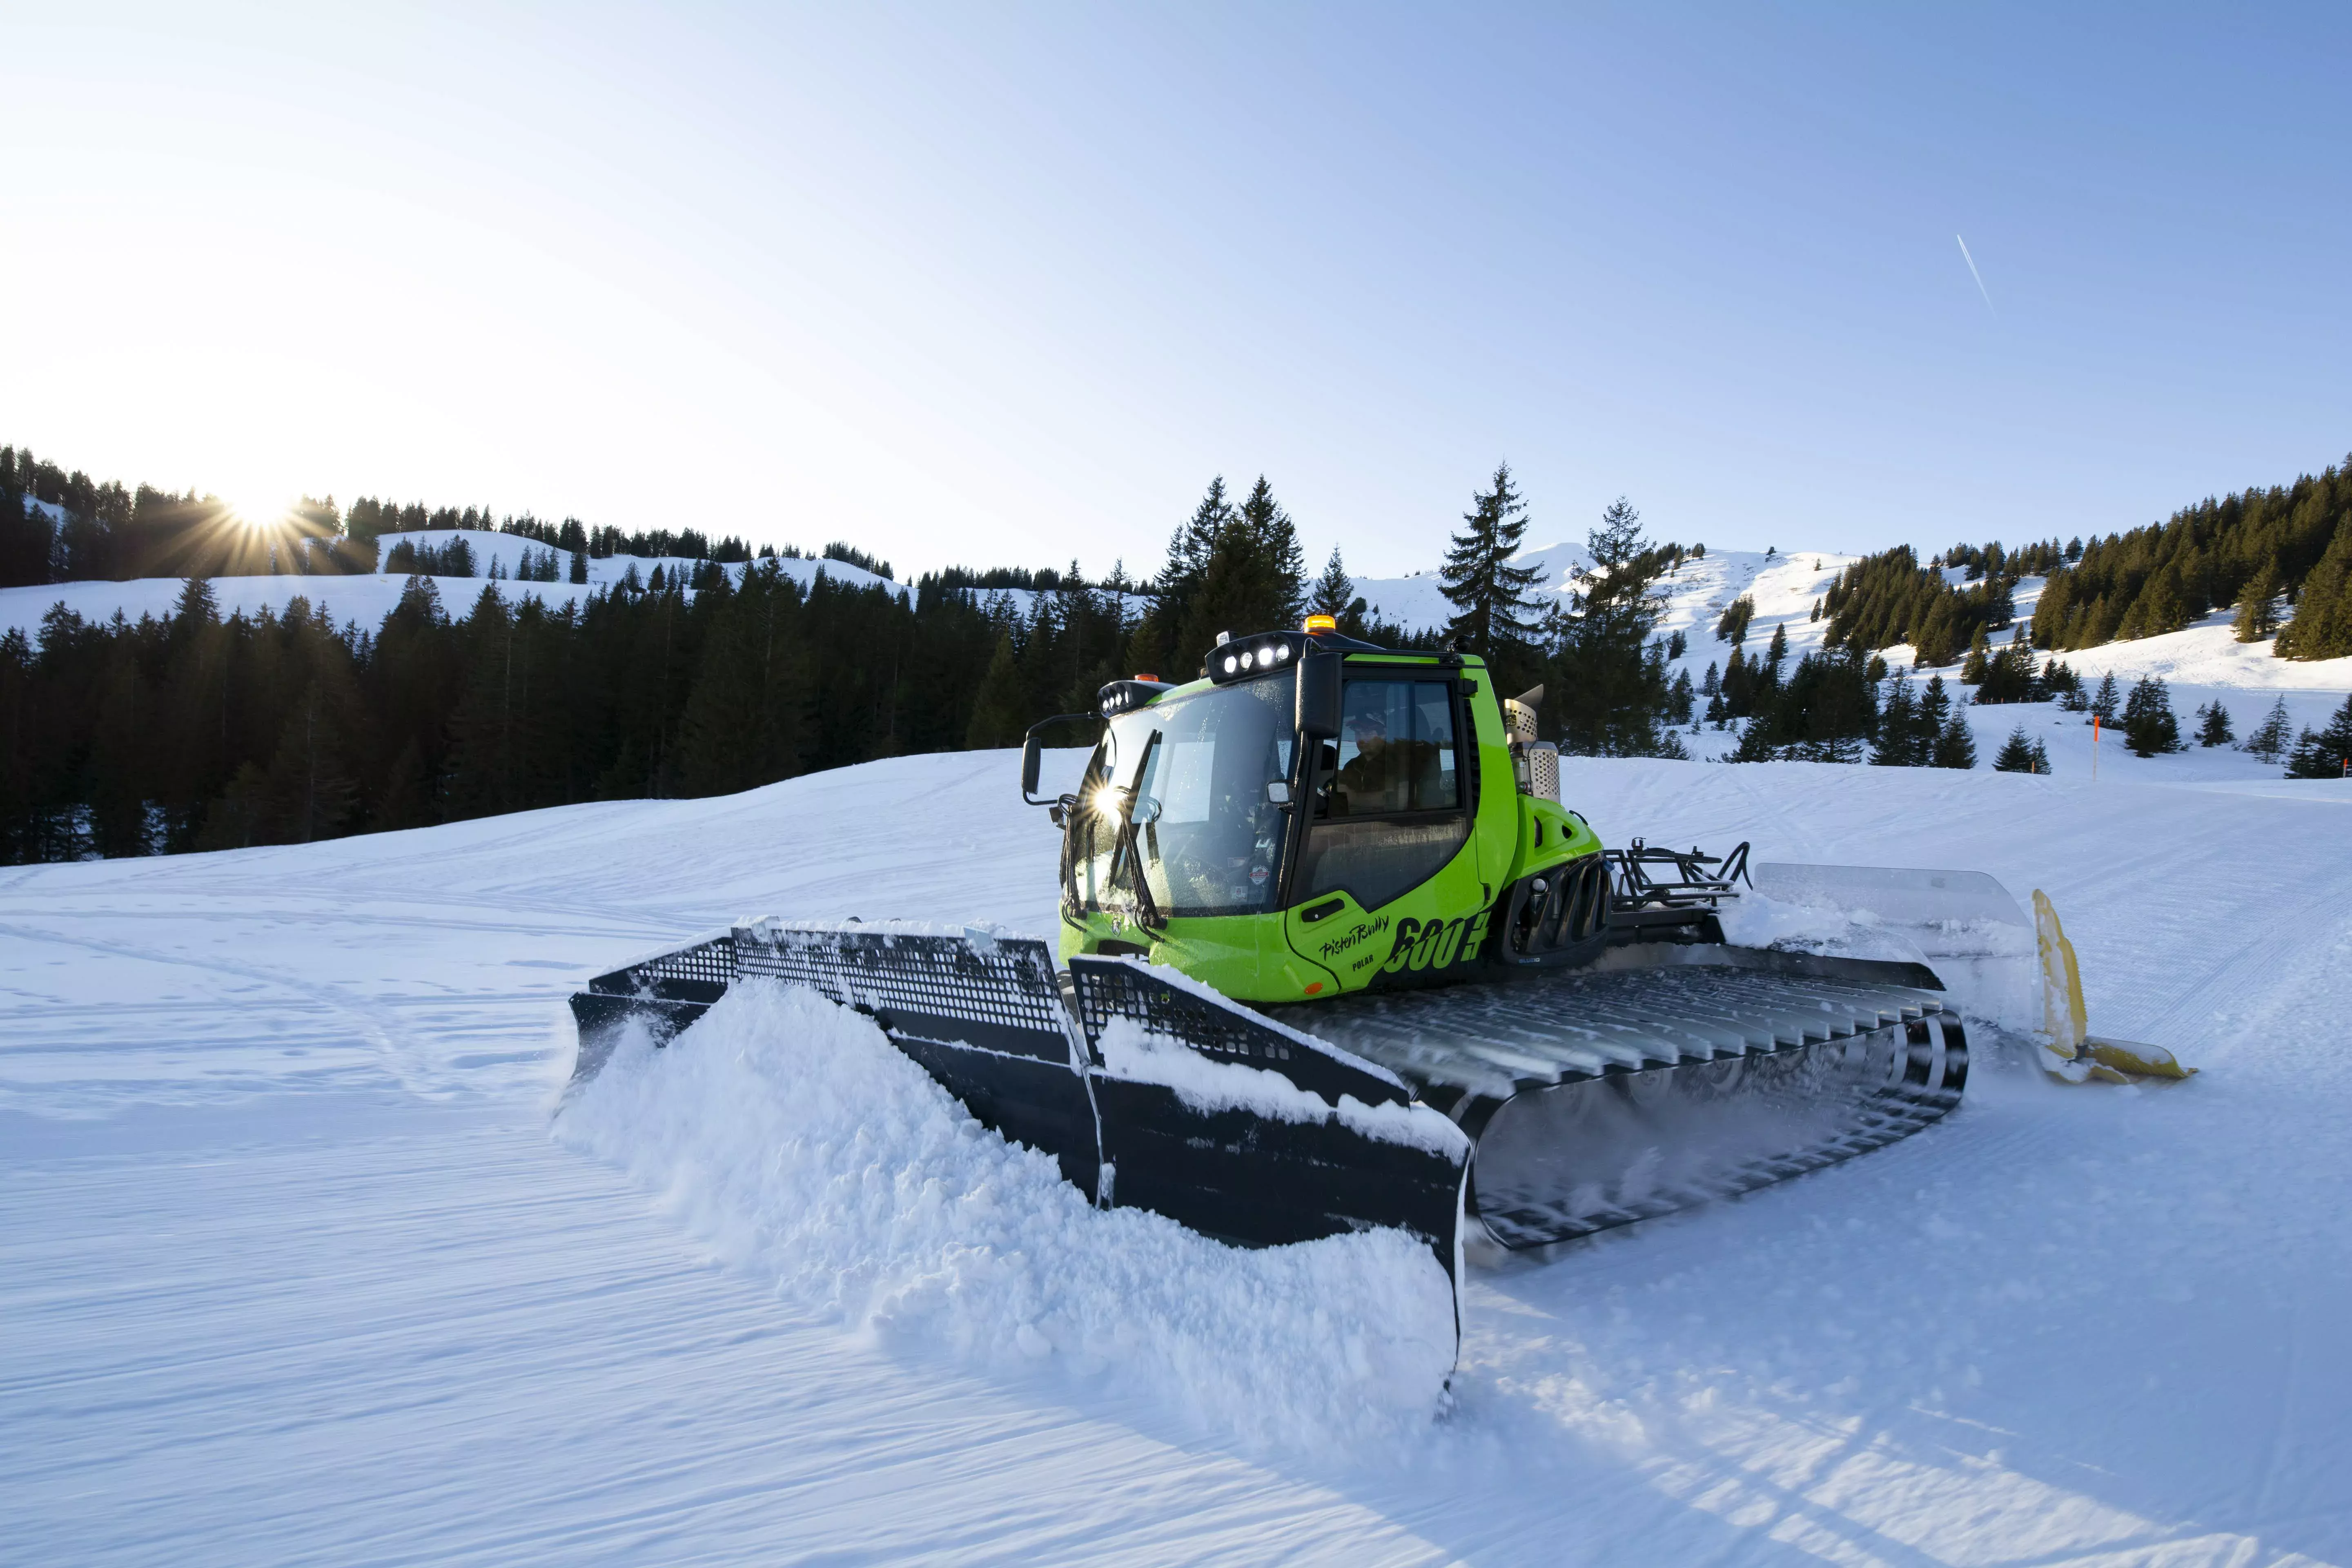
[1274,540]
[1973,668]
[1156,643]
[2322,627]
[2338,736]
[1681,700]
[2326,753]
[1897,727]
[2040,756]
[2313,760]
[1731,626]
[2271,736]
[1778,651]
[1335,594]
[1492,616]
[1250,580]
[1612,682]
[2257,615]
[999,715]
[2016,754]
[2214,729]
[1712,683]
[1956,746]
[2104,701]
[2149,727]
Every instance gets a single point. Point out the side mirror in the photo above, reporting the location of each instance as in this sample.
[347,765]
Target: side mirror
[1319,696]
[1032,754]
[1278,793]
[1146,811]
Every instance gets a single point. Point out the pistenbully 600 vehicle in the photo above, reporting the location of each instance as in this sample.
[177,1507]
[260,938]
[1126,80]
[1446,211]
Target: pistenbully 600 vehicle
[1334,956]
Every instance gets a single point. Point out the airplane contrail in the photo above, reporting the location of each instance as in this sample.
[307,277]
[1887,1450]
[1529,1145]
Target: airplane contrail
[1975,274]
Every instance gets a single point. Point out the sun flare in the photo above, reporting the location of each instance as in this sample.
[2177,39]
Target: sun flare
[255,513]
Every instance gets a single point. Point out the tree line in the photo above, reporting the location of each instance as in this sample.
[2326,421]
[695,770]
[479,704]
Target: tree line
[197,731]
[2280,557]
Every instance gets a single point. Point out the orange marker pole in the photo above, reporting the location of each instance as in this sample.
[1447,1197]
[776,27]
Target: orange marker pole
[2094,747]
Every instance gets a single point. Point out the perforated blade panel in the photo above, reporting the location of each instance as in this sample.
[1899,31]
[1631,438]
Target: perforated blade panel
[993,993]
[698,973]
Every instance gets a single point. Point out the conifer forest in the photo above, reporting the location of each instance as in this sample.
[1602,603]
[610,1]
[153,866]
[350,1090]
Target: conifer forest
[200,730]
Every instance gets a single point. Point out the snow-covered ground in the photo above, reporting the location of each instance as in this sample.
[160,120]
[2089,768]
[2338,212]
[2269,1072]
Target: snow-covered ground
[297,1263]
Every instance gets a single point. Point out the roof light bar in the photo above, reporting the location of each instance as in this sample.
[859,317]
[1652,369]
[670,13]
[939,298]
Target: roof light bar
[1243,657]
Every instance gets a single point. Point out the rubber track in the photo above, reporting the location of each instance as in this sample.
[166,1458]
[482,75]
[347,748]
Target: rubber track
[1631,1060]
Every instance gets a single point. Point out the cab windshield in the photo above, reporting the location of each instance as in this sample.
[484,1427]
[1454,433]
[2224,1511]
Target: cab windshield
[1208,833]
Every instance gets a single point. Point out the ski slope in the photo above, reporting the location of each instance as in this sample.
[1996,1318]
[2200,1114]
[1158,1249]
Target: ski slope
[297,1265]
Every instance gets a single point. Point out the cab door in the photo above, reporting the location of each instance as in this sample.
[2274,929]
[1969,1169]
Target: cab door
[1383,891]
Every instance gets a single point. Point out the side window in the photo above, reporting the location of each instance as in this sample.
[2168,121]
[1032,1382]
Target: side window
[1396,751]
[1389,818]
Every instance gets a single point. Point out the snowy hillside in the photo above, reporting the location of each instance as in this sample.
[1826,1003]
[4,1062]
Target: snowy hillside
[2204,663]
[367,599]
[296,1264]
[509,550]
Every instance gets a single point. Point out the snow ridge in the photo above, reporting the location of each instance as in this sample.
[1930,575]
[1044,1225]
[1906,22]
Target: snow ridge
[800,1145]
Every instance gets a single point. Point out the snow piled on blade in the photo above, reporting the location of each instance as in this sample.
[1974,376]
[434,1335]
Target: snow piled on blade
[1132,1052]
[801,1145]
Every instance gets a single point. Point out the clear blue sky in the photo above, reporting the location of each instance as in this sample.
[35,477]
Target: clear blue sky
[1008,284]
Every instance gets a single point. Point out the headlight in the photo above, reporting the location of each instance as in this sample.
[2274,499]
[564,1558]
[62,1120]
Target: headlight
[1229,666]
[1281,652]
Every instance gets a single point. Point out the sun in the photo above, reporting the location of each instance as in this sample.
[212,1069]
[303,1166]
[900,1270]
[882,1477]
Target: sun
[257,514]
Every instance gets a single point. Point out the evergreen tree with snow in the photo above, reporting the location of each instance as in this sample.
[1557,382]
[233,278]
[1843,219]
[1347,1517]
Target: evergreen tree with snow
[2271,737]
[2149,727]
[2016,754]
[2213,728]
[1712,683]
[1492,616]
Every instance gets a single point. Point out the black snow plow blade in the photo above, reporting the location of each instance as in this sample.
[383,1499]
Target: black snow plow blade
[1148,1091]
[1509,1117]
